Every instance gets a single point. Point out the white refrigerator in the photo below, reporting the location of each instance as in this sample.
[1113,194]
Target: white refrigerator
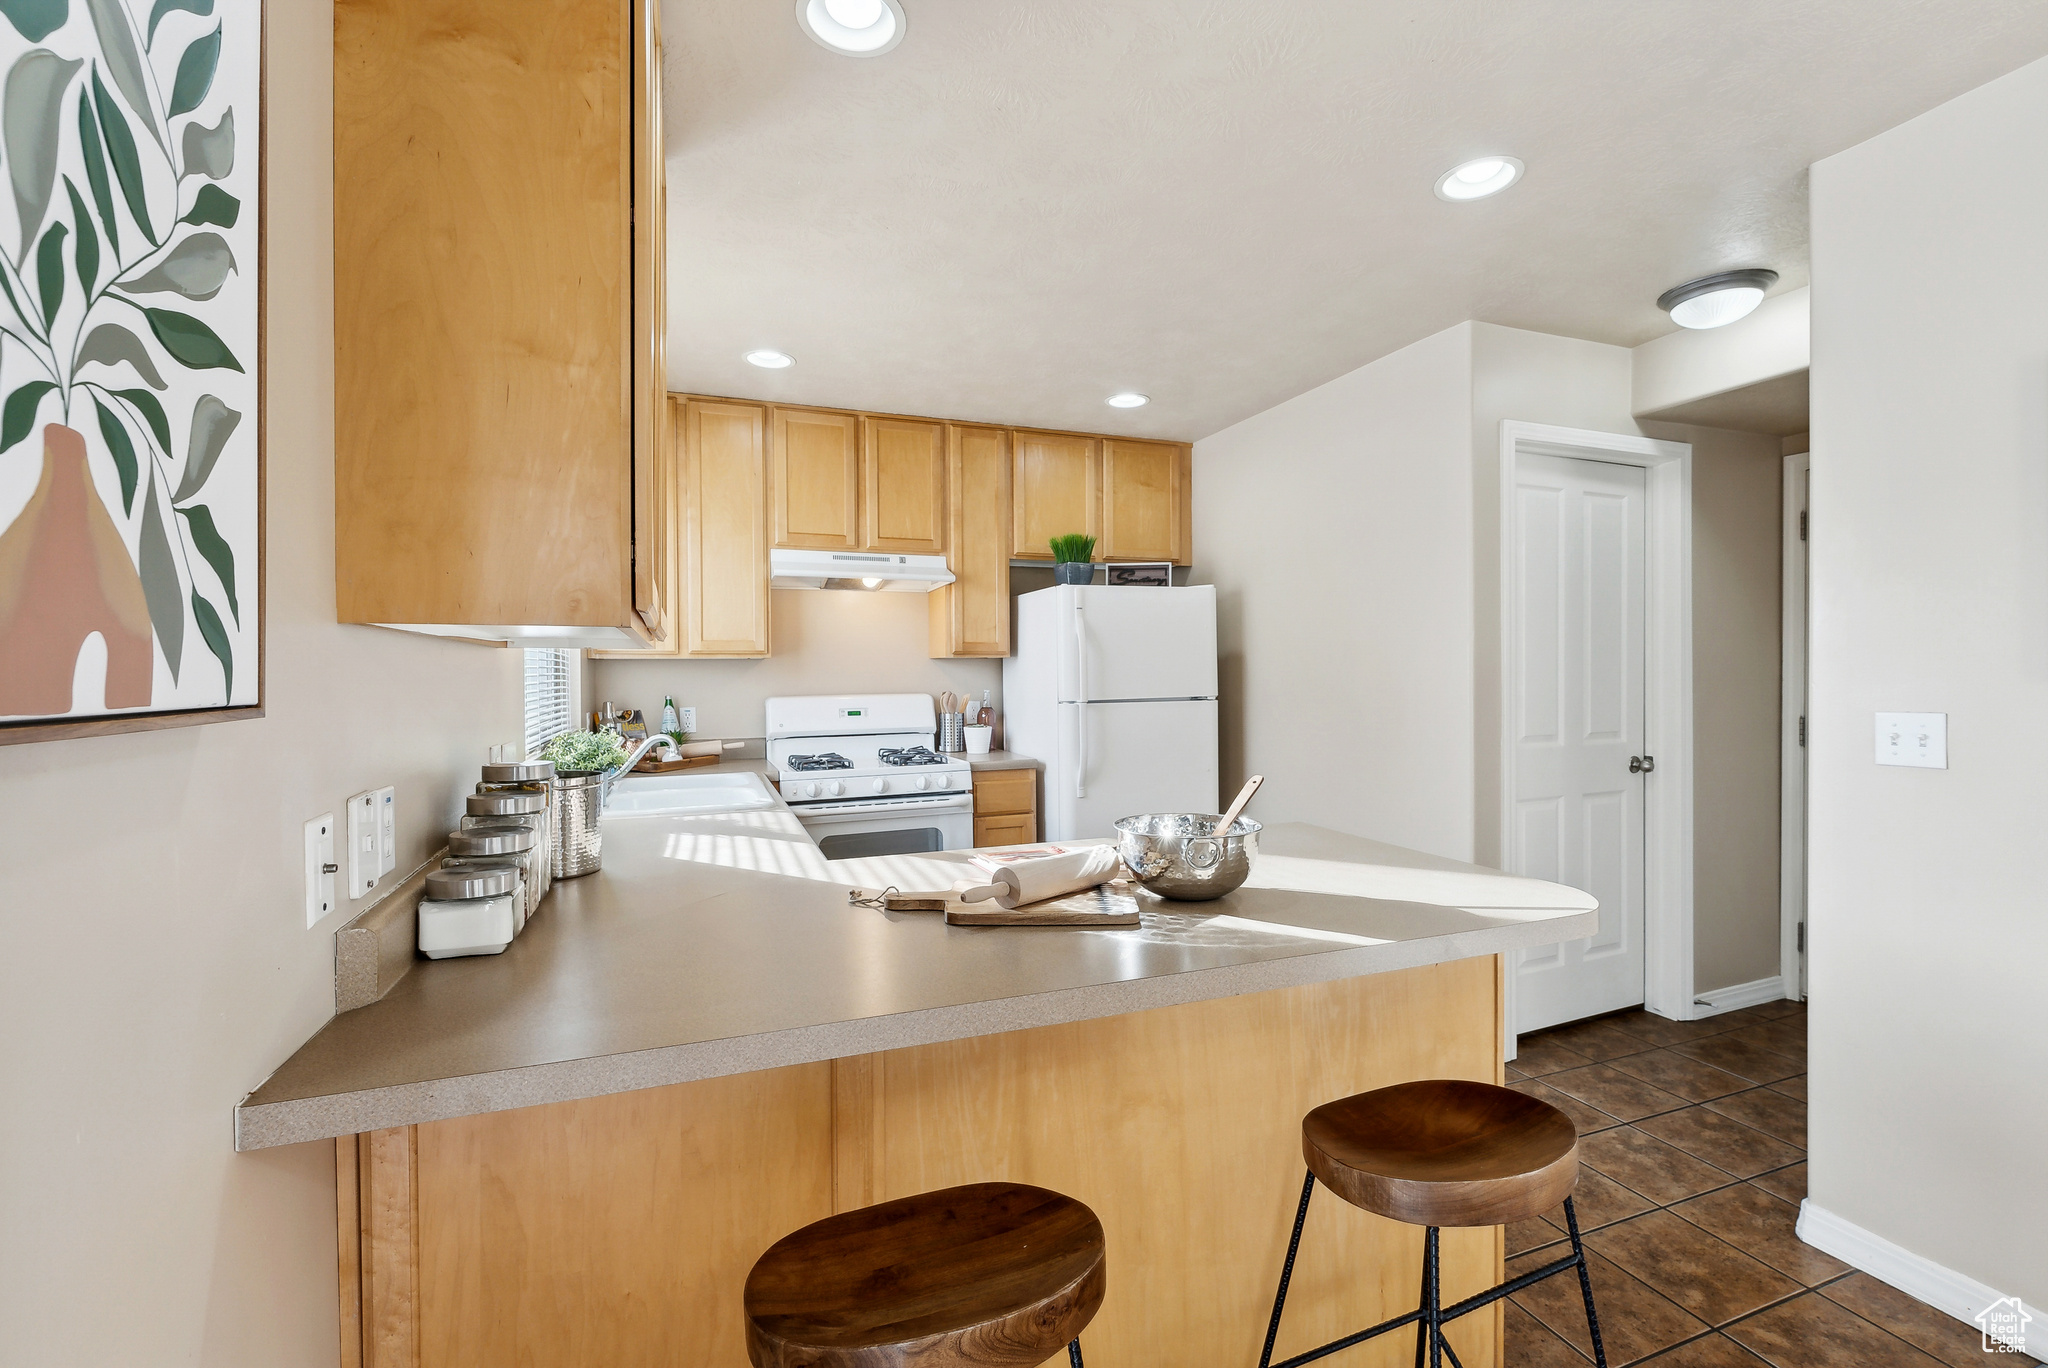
[1114,690]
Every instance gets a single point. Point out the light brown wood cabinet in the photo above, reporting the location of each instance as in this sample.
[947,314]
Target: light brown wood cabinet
[816,491]
[498,317]
[725,529]
[903,486]
[971,616]
[1057,486]
[1145,505]
[1005,807]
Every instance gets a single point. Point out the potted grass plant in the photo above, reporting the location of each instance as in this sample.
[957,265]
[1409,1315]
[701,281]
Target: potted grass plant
[1073,558]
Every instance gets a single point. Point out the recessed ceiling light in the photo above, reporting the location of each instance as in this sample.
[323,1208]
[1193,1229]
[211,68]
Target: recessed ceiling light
[853,28]
[1129,400]
[1715,300]
[1478,178]
[771,360]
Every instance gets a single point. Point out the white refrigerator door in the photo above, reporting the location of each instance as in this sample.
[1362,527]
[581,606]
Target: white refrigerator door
[1119,759]
[1132,642]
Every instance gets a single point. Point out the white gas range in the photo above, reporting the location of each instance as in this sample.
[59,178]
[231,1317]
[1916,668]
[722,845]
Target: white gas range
[861,774]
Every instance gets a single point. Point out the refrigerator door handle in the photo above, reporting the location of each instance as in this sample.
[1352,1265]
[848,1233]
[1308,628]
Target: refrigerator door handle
[1081,701]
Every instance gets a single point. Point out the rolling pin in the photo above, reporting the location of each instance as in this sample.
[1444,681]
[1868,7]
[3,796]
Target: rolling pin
[1055,876]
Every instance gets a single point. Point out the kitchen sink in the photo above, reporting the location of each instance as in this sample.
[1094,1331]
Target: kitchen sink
[651,795]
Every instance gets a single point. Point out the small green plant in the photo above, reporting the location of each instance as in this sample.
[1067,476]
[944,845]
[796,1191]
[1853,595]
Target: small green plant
[679,737]
[1075,546]
[580,750]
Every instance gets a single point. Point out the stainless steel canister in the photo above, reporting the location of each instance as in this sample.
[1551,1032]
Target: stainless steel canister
[516,807]
[526,776]
[517,845]
[579,801]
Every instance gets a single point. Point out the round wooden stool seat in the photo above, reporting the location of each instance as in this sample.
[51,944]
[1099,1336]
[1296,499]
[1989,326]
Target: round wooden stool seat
[1444,1152]
[991,1275]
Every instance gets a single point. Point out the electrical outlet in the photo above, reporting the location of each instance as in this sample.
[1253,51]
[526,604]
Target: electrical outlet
[320,870]
[686,718]
[387,829]
[362,843]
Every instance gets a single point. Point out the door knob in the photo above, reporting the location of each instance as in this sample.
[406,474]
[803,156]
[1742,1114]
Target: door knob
[1641,764]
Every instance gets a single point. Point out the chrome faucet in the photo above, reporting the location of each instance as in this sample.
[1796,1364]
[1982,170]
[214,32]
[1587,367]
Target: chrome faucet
[633,758]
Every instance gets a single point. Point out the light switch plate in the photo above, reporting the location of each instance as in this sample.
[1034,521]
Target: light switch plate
[319,868]
[387,829]
[1919,740]
[362,844]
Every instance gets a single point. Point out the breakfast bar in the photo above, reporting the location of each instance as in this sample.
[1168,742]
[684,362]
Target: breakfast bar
[573,1151]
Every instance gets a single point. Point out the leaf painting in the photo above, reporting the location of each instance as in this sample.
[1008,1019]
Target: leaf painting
[29,116]
[130,346]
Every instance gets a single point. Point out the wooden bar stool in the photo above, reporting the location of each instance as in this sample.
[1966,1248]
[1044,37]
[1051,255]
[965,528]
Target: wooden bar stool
[1441,1153]
[991,1275]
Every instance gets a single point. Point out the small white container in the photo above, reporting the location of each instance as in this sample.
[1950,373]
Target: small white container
[469,912]
[978,738]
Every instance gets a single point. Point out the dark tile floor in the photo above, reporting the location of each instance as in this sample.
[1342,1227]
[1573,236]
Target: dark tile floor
[1693,1141]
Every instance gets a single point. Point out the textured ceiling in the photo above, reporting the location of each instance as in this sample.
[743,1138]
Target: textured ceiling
[1032,203]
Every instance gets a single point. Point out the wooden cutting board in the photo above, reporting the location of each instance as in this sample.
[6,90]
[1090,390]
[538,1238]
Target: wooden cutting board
[1112,904]
[650,765]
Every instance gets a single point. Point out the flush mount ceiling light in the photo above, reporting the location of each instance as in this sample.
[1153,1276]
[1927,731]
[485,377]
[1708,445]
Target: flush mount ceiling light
[1714,300]
[1478,178]
[853,28]
[1128,399]
[770,360]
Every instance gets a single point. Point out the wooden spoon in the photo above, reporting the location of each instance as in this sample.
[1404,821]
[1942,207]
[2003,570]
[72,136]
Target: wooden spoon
[1244,795]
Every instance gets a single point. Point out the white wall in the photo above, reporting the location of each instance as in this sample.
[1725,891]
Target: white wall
[1929,556]
[1693,363]
[821,641]
[1337,528]
[157,964]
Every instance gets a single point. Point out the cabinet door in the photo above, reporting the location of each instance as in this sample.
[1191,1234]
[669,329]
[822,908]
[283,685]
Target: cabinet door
[904,486]
[1056,488]
[1144,493]
[725,500]
[971,616]
[654,482]
[672,583]
[817,480]
[1005,831]
[999,793]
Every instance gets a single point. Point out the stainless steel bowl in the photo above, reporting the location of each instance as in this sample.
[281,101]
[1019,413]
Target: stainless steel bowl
[1179,855]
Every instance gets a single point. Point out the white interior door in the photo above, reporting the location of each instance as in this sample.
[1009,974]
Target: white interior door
[1579,653]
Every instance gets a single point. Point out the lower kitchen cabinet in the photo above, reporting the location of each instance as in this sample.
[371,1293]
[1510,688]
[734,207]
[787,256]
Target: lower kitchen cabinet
[619,1229]
[1005,807]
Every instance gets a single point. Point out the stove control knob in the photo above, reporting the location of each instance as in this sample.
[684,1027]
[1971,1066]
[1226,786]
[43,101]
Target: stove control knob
[810,790]
[881,785]
[922,782]
[945,781]
[836,788]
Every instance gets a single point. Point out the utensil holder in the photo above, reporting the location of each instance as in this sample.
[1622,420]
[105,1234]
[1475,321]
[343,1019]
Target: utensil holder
[579,802]
[952,733]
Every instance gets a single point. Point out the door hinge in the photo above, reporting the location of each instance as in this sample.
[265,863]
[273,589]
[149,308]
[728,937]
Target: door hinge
[1802,731]
[1641,764]
[1802,524]
[1802,938]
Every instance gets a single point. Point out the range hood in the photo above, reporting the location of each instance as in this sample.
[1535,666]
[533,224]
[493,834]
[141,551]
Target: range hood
[866,571]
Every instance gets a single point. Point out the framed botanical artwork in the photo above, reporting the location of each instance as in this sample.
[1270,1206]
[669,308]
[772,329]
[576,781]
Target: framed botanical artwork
[131,347]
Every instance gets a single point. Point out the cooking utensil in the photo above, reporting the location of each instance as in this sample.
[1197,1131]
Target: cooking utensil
[1236,808]
[1054,876]
[1188,856]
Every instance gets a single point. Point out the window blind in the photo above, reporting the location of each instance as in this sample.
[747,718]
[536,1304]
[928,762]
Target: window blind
[550,697]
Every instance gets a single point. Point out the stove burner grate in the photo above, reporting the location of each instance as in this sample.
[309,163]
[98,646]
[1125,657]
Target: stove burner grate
[910,755]
[830,760]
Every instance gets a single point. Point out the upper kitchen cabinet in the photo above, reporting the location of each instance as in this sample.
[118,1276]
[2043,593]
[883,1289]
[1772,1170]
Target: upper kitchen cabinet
[499,405]
[1145,504]
[971,616]
[724,600]
[1056,486]
[903,486]
[816,479]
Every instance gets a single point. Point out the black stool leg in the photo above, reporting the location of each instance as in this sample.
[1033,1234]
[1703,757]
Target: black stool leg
[1432,1294]
[1422,1299]
[1074,1352]
[1571,1220]
[1308,1187]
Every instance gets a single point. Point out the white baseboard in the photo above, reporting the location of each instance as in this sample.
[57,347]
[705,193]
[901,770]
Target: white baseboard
[1944,1289]
[1740,995]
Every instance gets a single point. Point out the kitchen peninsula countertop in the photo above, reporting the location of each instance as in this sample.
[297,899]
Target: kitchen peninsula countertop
[724,943]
